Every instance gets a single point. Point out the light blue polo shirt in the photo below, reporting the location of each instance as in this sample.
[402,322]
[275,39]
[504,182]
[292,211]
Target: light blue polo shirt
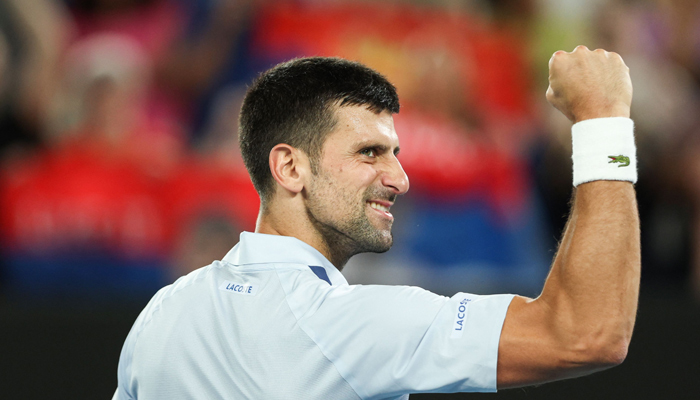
[276,320]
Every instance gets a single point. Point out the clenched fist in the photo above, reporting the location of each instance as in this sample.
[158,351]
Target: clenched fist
[587,84]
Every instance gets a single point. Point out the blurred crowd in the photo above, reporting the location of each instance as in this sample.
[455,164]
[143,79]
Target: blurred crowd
[120,168]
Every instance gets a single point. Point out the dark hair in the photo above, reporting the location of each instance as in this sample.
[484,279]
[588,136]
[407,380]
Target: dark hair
[294,102]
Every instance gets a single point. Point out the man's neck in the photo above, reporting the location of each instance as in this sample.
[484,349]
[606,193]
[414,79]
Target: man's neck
[287,223]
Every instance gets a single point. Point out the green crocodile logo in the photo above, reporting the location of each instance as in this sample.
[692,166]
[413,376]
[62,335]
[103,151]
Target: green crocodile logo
[622,160]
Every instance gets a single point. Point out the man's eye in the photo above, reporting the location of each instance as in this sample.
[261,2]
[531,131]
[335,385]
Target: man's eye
[368,152]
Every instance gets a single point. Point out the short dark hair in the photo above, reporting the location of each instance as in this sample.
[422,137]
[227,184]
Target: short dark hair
[294,103]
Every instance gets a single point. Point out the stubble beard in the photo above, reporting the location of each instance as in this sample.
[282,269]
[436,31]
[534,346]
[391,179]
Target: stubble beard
[346,235]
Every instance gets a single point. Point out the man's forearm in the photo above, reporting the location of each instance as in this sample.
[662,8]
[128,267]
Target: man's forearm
[594,283]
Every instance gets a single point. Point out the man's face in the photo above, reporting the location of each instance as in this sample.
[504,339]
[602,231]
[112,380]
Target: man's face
[358,180]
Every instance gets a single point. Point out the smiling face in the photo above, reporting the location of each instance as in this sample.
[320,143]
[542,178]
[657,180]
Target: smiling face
[357,181]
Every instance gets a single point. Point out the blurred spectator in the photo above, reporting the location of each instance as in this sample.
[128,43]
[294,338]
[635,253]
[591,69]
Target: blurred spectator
[33,34]
[216,35]
[212,37]
[124,41]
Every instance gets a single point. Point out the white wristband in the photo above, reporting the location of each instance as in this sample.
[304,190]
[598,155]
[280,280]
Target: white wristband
[603,149]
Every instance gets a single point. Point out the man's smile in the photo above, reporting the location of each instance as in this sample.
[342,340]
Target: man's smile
[382,208]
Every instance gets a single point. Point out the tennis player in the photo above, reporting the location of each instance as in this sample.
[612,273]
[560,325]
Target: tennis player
[275,319]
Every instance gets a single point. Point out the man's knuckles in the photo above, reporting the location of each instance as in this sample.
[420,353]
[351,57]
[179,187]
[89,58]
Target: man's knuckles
[598,60]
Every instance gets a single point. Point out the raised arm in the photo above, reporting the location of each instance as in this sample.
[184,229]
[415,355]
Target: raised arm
[583,320]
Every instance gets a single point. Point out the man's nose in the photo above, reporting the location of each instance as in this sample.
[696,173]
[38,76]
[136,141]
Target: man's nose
[395,177]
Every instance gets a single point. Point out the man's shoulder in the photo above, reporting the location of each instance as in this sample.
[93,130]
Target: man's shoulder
[394,291]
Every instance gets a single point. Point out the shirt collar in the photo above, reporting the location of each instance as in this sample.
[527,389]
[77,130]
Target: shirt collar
[260,248]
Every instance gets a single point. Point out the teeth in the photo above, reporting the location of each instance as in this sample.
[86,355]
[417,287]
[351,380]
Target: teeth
[378,206]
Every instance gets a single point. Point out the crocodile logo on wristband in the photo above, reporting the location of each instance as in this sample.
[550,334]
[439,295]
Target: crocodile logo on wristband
[624,161]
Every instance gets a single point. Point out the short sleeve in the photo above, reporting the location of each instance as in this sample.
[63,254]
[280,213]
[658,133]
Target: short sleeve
[391,340]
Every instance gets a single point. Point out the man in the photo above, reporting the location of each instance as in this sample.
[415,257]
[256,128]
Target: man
[275,319]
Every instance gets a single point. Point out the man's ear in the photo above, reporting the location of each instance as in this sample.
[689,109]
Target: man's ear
[289,167]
